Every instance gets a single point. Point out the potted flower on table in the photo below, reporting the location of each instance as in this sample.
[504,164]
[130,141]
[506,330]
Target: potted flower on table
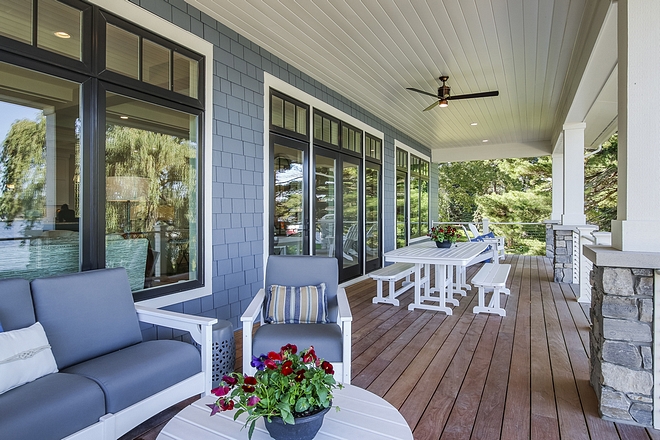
[290,390]
[443,235]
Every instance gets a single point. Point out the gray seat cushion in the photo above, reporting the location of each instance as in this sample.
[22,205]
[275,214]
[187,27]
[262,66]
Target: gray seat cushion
[139,371]
[326,339]
[86,314]
[16,309]
[51,407]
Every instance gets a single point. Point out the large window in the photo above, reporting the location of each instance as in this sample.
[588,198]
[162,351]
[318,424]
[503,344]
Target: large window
[100,148]
[419,197]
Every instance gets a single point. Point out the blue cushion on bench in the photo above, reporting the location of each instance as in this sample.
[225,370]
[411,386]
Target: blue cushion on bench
[50,408]
[16,309]
[139,371]
[86,314]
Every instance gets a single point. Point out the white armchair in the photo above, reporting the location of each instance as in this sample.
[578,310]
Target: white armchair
[331,341]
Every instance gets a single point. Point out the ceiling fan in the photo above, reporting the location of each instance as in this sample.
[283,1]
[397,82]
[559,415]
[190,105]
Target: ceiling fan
[444,97]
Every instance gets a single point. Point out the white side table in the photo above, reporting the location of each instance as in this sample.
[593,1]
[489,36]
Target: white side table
[362,416]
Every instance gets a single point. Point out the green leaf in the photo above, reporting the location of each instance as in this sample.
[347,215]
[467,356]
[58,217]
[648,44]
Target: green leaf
[302,405]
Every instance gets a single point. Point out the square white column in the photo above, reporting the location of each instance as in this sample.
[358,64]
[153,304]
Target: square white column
[637,227]
[573,189]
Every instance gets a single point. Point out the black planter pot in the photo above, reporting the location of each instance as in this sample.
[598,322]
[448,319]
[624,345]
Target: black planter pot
[305,428]
[443,244]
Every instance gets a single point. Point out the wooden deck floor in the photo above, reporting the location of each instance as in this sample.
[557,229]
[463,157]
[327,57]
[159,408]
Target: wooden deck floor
[466,376]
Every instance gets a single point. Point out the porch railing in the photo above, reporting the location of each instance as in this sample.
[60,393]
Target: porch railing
[537,231]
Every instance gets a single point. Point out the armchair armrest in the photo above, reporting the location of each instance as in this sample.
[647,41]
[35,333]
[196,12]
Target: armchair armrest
[344,314]
[200,328]
[253,310]
[247,318]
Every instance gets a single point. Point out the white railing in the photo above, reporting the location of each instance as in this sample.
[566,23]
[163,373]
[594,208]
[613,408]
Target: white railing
[582,235]
[588,237]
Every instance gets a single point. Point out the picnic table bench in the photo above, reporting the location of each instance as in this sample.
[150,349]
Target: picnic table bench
[392,274]
[491,276]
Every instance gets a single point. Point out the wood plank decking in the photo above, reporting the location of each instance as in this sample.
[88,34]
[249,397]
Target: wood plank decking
[466,376]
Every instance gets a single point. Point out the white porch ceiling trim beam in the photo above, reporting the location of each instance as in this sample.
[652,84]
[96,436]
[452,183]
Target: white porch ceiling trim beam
[487,151]
[592,65]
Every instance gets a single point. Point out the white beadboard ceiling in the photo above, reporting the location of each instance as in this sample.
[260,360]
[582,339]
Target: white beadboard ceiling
[537,53]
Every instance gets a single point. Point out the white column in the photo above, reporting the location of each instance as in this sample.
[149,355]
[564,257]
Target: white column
[557,186]
[573,174]
[637,227]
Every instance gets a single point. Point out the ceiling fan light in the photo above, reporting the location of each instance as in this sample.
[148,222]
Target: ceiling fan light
[443,103]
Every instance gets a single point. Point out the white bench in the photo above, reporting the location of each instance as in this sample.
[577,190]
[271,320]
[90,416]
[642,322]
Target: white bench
[491,276]
[392,274]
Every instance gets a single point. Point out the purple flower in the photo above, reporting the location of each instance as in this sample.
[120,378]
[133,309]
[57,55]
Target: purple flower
[253,400]
[258,362]
[214,408]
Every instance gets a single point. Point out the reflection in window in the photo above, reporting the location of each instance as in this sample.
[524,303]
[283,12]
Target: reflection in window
[289,203]
[151,192]
[39,174]
[324,206]
[59,28]
[16,20]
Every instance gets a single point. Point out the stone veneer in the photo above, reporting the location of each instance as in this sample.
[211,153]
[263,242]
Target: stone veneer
[563,255]
[621,343]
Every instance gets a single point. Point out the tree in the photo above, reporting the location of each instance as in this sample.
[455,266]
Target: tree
[23,171]
[600,191]
[504,190]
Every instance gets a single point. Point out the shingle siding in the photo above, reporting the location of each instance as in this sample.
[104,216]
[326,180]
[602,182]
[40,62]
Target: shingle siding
[237,189]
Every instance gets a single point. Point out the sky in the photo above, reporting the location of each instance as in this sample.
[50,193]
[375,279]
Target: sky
[9,113]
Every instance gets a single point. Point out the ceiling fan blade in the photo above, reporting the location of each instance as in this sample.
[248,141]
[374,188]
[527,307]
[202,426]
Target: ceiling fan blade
[435,95]
[474,95]
[432,105]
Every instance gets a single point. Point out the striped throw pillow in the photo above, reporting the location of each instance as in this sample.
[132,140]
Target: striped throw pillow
[296,305]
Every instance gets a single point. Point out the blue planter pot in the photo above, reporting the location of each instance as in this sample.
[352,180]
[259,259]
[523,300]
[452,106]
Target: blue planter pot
[443,244]
[305,428]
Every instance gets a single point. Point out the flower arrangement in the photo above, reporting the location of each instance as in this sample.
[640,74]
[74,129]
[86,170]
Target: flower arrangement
[443,233]
[287,384]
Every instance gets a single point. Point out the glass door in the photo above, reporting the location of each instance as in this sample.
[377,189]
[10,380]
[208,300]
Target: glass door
[351,225]
[324,205]
[372,217]
[289,207]
[401,209]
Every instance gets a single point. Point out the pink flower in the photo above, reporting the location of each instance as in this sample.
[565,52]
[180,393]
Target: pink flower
[229,380]
[253,400]
[220,391]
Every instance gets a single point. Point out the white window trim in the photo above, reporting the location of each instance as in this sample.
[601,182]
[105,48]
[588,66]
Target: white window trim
[410,151]
[271,81]
[158,25]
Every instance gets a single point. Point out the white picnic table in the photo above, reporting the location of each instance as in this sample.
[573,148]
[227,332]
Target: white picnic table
[445,260]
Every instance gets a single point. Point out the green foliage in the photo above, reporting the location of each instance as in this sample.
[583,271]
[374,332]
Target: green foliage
[505,190]
[23,171]
[600,190]
[169,164]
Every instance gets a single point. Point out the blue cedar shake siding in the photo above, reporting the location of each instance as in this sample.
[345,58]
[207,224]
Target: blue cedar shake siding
[238,180]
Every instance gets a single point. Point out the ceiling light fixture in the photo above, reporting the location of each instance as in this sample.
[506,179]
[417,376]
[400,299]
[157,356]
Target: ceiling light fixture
[473,124]
[444,103]
[61,34]
[485,140]
[123,117]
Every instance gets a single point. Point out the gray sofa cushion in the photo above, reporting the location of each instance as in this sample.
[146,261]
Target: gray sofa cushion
[51,407]
[86,314]
[16,309]
[289,270]
[139,371]
[326,339]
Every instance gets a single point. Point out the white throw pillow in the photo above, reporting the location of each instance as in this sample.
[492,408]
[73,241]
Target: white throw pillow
[25,355]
